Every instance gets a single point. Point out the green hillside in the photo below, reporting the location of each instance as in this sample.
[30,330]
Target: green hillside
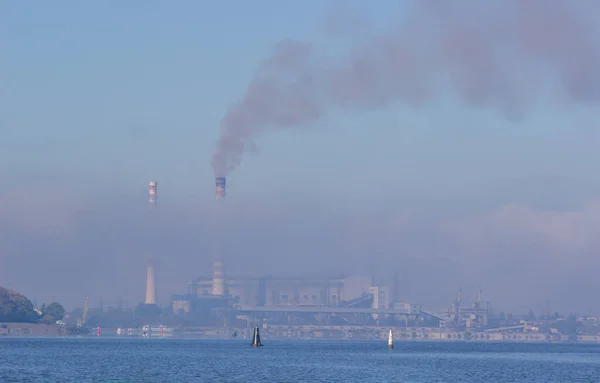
[15,307]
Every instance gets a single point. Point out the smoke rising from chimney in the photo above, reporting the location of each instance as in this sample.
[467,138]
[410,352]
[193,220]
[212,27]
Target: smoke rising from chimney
[496,56]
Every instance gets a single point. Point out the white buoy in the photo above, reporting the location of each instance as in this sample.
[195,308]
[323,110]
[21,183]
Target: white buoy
[256,338]
[390,341]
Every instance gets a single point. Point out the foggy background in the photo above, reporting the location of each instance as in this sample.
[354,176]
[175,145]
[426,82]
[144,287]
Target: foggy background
[470,166]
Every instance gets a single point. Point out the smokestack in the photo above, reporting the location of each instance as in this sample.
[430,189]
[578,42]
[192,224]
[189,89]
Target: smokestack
[220,184]
[152,193]
[218,278]
[150,285]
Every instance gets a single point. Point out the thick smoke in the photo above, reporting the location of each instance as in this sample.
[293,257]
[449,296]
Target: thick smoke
[500,55]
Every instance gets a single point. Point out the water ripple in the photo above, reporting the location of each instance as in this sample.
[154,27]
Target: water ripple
[159,360]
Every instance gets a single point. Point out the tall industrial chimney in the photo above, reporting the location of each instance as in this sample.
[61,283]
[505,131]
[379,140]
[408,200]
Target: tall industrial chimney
[152,192]
[218,278]
[150,285]
[220,184]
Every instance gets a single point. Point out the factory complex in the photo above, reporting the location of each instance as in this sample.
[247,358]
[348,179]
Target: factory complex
[218,304]
[224,305]
[219,299]
[353,307]
[241,301]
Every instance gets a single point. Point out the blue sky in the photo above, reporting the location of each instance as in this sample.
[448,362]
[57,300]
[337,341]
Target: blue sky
[99,98]
[118,93]
[126,92]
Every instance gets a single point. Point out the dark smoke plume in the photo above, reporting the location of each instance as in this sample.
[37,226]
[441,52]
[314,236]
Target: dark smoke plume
[493,54]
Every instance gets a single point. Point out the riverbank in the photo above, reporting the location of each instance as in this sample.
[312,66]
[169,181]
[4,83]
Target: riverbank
[32,329]
[299,332]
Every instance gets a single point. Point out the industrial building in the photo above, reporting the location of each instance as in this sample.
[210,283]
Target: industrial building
[289,299]
[311,300]
[460,316]
[269,291]
[475,315]
[272,291]
[354,300]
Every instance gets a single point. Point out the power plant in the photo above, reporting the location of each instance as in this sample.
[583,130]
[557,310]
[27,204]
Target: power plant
[318,305]
[337,301]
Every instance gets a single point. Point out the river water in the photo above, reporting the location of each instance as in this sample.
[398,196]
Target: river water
[170,360]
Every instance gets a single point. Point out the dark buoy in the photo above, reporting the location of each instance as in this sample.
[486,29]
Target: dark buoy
[256,338]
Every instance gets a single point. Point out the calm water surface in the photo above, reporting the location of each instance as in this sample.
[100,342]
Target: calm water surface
[160,360]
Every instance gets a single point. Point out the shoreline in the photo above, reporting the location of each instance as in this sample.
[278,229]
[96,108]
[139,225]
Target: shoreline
[285,340]
[324,333]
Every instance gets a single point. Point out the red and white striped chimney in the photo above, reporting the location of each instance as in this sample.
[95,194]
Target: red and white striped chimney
[152,192]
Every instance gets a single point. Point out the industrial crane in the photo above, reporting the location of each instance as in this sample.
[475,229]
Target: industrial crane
[478,300]
[477,306]
[82,320]
[457,307]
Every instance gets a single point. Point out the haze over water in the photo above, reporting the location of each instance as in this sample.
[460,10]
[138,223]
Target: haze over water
[126,360]
[479,171]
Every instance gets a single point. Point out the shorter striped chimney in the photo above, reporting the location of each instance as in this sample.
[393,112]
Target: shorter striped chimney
[152,192]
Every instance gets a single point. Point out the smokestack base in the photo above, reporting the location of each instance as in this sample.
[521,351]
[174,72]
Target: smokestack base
[220,184]
[218,278]
[150,285]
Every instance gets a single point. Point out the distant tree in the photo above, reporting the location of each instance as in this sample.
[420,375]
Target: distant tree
[52,312]
[15,307]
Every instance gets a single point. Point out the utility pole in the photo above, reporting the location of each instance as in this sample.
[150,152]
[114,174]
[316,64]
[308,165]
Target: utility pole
[396,287]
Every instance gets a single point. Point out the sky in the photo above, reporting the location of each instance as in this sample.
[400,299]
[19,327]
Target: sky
[367,139]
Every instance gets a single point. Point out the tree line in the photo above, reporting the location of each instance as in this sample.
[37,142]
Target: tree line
[16,308]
